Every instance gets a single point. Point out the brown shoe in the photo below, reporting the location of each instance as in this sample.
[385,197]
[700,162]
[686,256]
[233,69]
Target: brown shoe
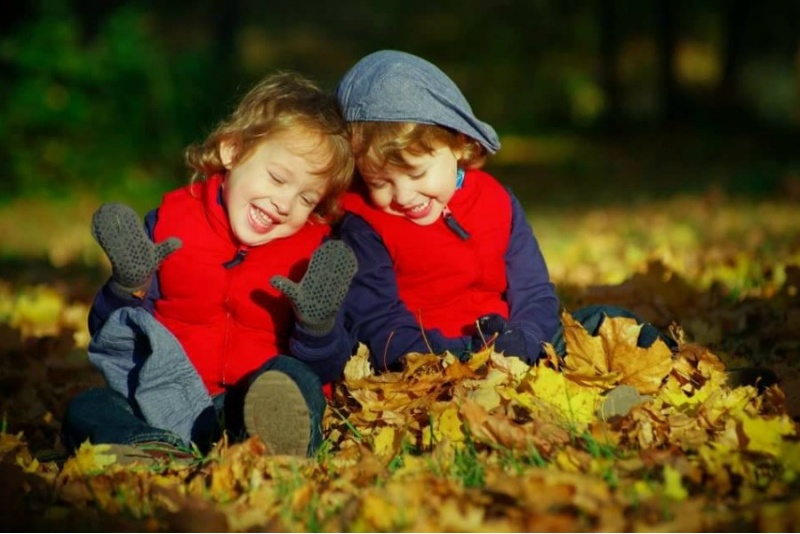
[276,411]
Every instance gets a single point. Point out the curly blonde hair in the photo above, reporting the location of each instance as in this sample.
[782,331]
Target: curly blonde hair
[280,102]
[379,144]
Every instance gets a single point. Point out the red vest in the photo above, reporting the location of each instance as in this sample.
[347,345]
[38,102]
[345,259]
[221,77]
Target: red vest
[228,320]
[445,281]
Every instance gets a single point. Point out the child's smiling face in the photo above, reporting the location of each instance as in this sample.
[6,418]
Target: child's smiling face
[270,193]
[418,191]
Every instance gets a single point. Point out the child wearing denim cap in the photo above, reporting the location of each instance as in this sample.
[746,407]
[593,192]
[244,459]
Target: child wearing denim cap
[229,276]
[447,259]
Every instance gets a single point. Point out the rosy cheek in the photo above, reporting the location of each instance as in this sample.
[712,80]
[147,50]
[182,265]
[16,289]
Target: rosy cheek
[380,197]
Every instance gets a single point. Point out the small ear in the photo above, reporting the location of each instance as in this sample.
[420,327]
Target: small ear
[227,153]
[461,151]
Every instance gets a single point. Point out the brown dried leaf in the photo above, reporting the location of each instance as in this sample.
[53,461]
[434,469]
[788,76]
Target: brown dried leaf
[585,353]
[641,368]
[613,357]
[498,429]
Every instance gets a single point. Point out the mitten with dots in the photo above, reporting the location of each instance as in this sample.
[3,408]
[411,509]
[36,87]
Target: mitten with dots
[316,299]
[134,257]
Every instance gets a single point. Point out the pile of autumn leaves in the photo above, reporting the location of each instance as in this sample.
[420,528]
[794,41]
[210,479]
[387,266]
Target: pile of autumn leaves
[487,444]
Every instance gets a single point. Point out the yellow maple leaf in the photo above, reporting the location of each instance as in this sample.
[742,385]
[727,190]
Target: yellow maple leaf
[763,434]
[378,512]
[484,391]
[450,425]
[10,442]
[720,460]
[496,428]
[673,487]
[455,370]
[602,382]
[790,457]
[673,394]
[37,311]
[642,368]
[88,460]
[575,403]
[585,353]
[385,442]
[613,357]
[512,366]
[445,425]
[358,366]
[416,363]
[479,359]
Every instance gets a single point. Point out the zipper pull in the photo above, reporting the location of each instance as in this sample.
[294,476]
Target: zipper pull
[238,258]
[452,223]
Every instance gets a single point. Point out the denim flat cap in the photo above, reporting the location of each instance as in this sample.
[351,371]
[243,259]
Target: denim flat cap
[393,86]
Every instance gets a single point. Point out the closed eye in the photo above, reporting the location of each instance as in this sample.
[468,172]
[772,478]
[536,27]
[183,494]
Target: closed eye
[309,202]
[377,184]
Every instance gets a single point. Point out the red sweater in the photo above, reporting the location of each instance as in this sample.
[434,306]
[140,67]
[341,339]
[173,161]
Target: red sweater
[229,320]
[445,281]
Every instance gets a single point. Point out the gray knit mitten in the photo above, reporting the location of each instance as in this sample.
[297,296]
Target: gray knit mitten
[134,257]
[319,295]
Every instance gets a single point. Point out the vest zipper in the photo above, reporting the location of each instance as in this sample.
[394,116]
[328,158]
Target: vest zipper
[241,254]
[452,223]
[238,258]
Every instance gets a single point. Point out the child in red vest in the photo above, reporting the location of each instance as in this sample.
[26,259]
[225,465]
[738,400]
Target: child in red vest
[230,275]
[447,259]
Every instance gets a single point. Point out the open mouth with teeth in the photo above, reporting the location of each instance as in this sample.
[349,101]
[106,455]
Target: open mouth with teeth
[419,211]
[261,221]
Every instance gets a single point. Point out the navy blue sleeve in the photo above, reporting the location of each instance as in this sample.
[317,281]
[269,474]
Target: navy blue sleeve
[327,354]
[532,300]
[106,301]
[373,311]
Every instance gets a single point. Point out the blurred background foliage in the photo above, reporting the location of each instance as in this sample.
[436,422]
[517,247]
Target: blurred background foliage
[601,101]
[105,94]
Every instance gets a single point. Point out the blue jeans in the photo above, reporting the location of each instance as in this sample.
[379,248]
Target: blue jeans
[105,416]
[142,361]
[591,317]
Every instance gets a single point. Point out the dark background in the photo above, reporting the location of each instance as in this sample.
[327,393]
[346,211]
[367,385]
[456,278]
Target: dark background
[595,101]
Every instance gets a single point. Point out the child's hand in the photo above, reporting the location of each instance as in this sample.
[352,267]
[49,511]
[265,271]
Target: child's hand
[488,327]
[507,338]
[319,295]
[133,256]
[512,342]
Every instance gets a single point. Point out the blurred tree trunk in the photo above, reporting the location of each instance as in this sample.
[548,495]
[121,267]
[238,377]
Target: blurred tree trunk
[92,15]
[609,53]
[666,39]
[735,18]
[14,13]
[226,16]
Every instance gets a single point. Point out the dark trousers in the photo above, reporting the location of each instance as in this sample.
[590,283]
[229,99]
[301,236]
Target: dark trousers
[105,416]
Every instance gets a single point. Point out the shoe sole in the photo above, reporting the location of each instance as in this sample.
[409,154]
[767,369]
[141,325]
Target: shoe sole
[275,411]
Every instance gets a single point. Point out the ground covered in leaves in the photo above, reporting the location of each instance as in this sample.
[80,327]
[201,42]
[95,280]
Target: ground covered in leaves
[489,444]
